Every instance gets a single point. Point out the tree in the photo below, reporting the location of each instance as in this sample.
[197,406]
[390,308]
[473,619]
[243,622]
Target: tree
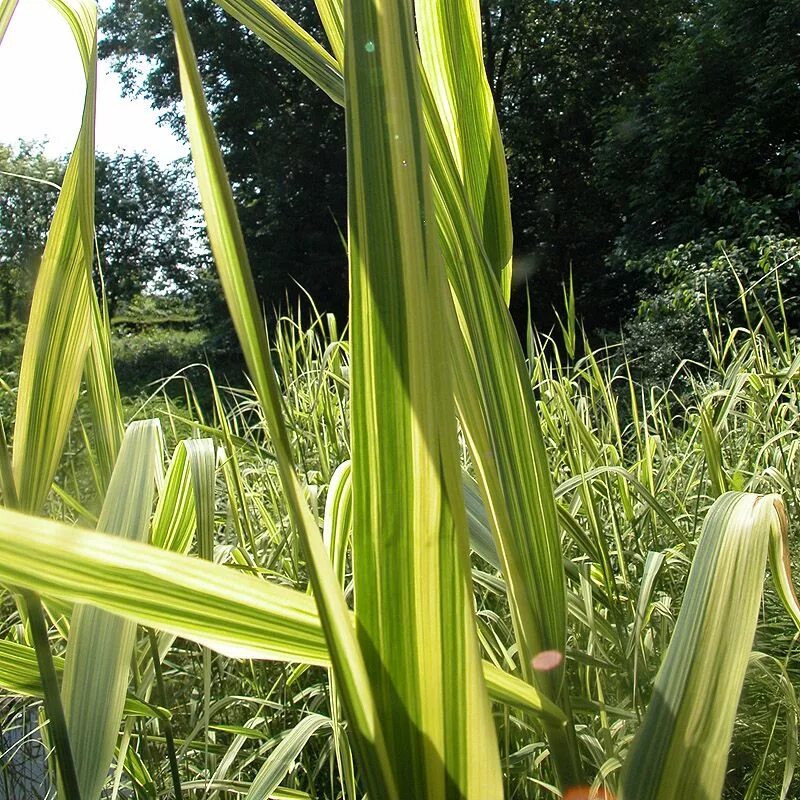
[147,227]
[283,139]
[721,109]
[555,68]
[145,221]
[610,111]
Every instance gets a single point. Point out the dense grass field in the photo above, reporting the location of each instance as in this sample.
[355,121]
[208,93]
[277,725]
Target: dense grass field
[633,483]
[415,558]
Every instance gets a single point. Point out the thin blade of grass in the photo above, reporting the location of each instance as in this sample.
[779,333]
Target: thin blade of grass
[59,327]
[275,27]
[283,756]
[105,403]
[227,246]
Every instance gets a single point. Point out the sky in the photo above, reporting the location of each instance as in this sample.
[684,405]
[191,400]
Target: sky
[42,89]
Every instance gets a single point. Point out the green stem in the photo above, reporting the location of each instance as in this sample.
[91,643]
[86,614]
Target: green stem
[52,697]
[162,700]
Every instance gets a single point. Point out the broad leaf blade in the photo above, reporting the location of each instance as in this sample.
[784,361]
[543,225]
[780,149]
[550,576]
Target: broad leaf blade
[60,321]
[100,644]
[681,749]
[409,527]
[7,8]
[450,42]
[231,612]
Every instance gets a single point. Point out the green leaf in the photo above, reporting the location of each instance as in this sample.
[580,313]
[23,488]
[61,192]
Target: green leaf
[175,517]
[234,613]
[410,554]
[274,26]
[231,612]
[449,34]
[681,749]
[283,756]
[59,327]
[227,246]
[100,644]
[202,457]
[105,402]
[7,8]
[19,674]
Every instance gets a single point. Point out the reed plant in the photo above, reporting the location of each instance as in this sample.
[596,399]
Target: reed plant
[412,559]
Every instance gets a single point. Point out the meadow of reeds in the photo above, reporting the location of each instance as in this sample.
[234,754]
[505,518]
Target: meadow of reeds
[412,559]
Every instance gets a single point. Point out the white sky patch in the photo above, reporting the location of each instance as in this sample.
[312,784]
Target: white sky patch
[42,89]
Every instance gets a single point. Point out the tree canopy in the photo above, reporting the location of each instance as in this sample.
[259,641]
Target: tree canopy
[146,225]
[630,128]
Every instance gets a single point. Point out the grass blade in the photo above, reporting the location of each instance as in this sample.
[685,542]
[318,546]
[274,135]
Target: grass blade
[283,756]
[449,34]
[227,246]
[59,328]
[105,402]
[7,8]
[681,749]
[100,644]
[185,596]
[274,26]
[409,525]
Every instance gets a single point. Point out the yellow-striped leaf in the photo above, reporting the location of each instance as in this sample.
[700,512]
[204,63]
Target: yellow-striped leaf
[227,245]
[681,749]
[59,328]
[410,554]
[100,644]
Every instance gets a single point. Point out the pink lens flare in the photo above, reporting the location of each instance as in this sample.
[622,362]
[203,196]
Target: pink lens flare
[547,660]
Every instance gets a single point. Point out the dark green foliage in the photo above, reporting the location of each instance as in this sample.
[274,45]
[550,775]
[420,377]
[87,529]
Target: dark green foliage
[283,140]
[627,127]
[558,67]
[724,98]
[25,209]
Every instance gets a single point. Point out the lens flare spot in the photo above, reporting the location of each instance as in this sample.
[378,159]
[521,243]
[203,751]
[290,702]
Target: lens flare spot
[547,660]
[586,793]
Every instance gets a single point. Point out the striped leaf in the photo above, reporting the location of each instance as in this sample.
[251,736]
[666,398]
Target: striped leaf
[100,644]
[7,8]
[410,555]
[449,34]
[274,26]
[202,457]
[681,749]
[19,675]
[283,756]
[175,516]
[231,612]
[234,613]
[105,402]
[59,328]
